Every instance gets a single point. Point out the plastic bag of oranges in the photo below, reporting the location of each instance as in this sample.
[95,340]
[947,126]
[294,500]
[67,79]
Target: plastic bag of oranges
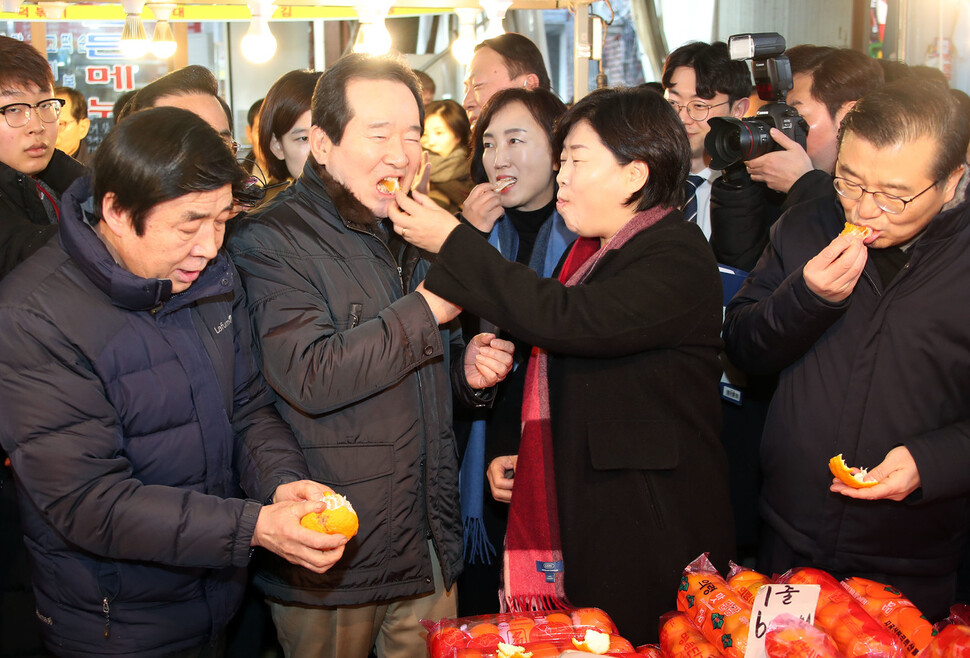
[680,639]
[745,581]
[790,637]
[542,633]
[890,608]
[952,642]
[719,612]
[856,633]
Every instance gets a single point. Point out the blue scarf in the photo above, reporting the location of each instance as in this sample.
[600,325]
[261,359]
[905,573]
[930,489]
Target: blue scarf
[551,242]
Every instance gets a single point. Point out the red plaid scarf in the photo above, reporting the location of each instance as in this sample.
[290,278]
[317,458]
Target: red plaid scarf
[533,565]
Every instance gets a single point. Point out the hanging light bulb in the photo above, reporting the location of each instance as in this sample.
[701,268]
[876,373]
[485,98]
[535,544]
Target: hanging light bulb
[163,39]
[372,35]
[259,44]
[134,42]
[495,12]
[463,47]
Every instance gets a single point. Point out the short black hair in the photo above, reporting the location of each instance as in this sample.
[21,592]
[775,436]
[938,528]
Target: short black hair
[330,109]
[161,154]
[714,70]
[805,57]
[253,111]
[119,110]
[23,67]
[427,82]
[544,106]
[79,105]
[186,81]
[908,110]
[635,123]
[521,56]
[843,76]
[285,102]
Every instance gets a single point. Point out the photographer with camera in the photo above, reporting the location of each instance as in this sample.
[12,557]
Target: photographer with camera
[701,82]
[770,167]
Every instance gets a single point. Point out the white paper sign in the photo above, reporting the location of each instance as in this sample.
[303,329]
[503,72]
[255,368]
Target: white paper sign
[774,600]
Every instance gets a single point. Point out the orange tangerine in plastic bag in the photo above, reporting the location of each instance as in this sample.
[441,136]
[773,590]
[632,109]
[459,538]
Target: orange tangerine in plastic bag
[679,638]
[952,642]
[844,474]
[890,608]
[594,618]
[720,613]
[338,517]
[746,582]
[790,637]
[855,632]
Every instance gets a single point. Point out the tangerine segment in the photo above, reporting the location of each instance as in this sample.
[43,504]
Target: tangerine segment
[338,517]
[844,474]
[855,230]
[593,642]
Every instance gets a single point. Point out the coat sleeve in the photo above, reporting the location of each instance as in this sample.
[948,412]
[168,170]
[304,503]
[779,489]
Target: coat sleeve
[774,318]
[741,216]
[305,358]
[19,238]
[943,459]
[267,453]
[653,303]
[64,442]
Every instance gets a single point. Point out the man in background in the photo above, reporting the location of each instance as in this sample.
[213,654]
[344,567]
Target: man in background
[508,60]
[73,124]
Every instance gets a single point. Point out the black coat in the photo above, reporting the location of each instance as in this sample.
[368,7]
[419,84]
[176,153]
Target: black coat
[364,377]
[25,224]
[888,366]
[640,472]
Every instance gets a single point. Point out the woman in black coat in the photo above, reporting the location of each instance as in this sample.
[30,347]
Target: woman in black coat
[625,396]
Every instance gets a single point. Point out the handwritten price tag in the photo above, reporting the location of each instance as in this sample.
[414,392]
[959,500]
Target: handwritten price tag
[774,600]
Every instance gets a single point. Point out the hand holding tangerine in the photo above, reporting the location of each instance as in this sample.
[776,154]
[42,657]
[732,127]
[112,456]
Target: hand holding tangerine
[338,517]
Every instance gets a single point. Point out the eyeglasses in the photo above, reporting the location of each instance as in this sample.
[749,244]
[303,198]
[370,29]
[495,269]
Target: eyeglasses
[231,143]
[696,110]
[18,114]
[888,202]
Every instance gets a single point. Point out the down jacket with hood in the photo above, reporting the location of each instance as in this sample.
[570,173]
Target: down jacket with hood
[888,366]
[131,416]
[361,371]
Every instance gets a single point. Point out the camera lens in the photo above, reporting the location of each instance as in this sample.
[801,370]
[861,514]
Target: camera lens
[732,140]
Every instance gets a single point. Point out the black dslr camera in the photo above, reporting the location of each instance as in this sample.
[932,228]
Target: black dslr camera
[731,140]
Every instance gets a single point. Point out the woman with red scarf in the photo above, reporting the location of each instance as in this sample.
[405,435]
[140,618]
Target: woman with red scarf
[620,479]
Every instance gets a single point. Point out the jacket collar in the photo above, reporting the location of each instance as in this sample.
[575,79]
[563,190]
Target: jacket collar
[126,290]
[352,212]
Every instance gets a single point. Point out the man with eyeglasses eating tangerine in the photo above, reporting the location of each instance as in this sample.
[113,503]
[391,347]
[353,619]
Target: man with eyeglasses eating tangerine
[870,340]
[32,173]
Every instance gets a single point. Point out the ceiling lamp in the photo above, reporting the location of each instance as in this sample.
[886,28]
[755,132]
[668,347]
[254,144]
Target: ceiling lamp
[134,42]
[463,47]
[11,6]
[372,35]
[163,39]
[495,12]
[259,44]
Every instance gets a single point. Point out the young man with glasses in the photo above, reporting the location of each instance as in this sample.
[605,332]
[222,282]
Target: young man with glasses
[870,341]
[32,173]
[702,81]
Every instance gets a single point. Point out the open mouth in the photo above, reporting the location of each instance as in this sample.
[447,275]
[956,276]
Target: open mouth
[389,185]
[504,184]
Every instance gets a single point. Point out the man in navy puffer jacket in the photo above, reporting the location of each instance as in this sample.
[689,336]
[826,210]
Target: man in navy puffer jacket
[132,410]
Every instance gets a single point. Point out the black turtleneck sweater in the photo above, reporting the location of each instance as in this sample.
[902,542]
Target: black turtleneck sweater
[527,224]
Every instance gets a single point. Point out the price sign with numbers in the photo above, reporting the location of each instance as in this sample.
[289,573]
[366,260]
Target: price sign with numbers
[774,600]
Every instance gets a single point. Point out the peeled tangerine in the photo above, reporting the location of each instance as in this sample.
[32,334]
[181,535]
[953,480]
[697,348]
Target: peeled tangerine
[512,651]
[844,474]
[338,517]
[594,642]
[861,232]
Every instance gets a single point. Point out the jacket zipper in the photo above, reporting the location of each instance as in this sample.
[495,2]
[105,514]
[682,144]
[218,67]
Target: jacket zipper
[107,617]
